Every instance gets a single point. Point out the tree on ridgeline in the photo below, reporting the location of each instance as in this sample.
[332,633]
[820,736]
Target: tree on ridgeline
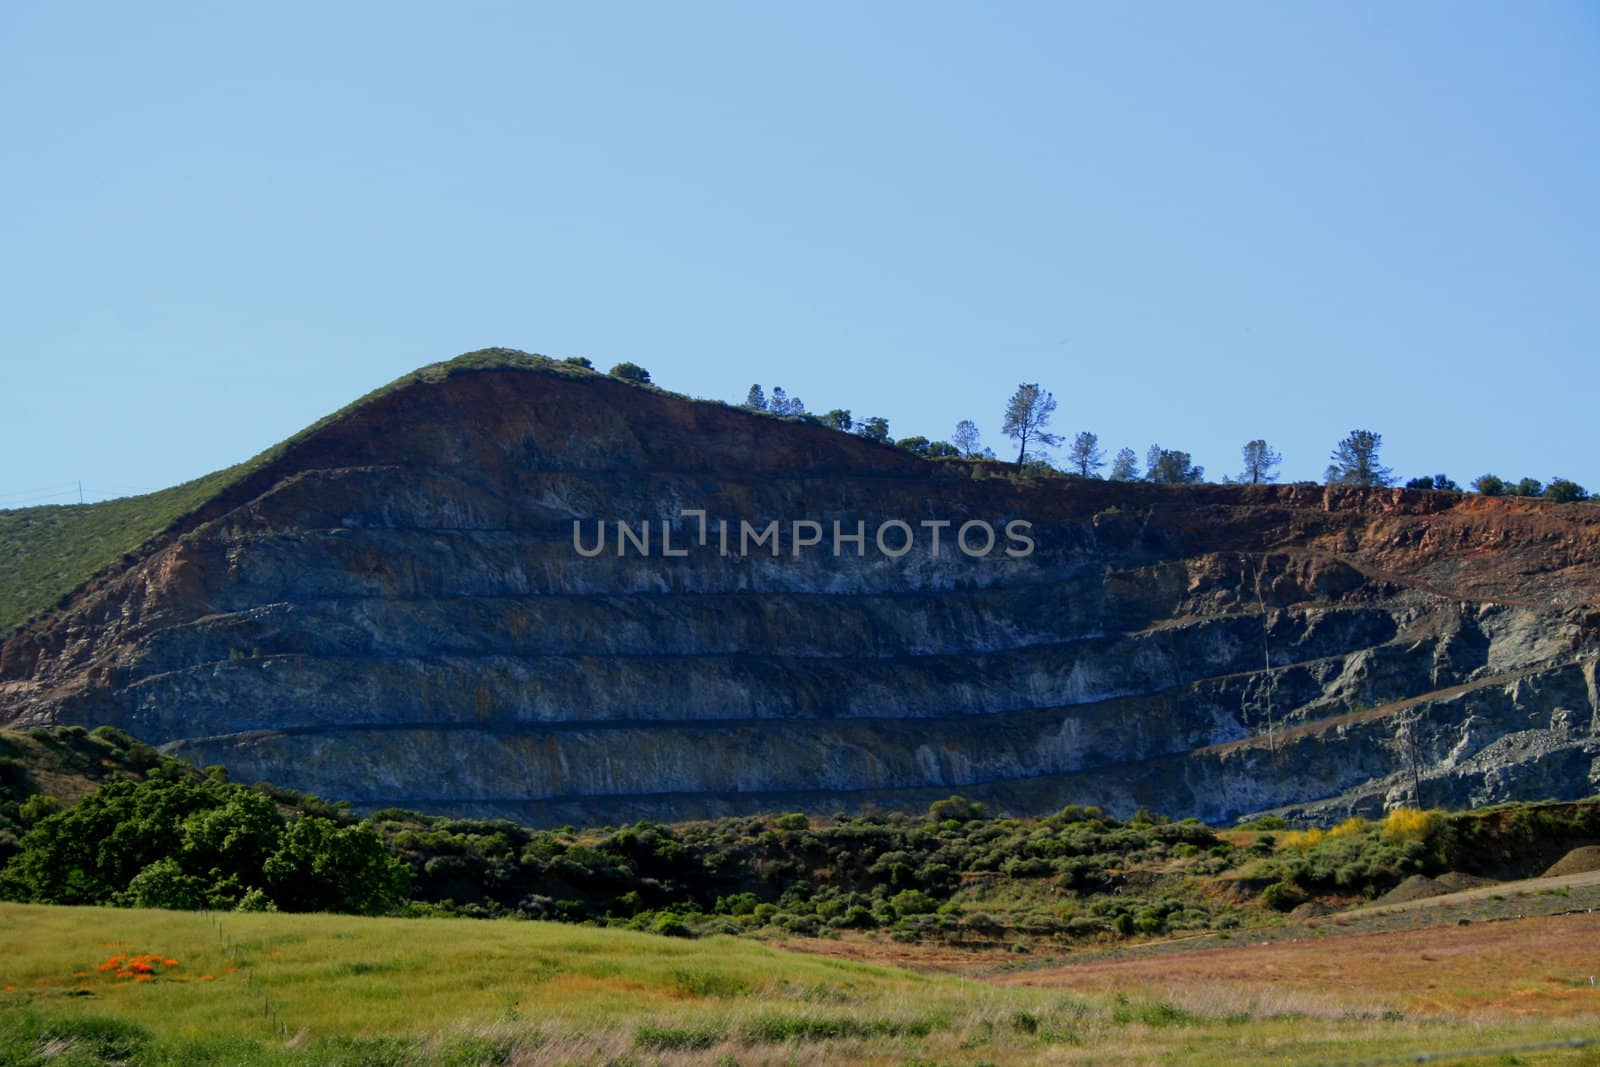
[1125,466]
[838,419]
[1355,461]
[1490,485]
[966,437]
[1437,482]
[1169,466]
[1085,457]
[1027,414]
[1565,491]
[755,399]
[784,404]
[917,446]
[874,429]
[1260,462]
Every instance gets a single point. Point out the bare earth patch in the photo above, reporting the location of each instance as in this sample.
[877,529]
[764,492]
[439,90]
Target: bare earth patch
[1537,966]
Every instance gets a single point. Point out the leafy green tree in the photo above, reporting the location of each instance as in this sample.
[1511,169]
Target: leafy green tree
[1355,461]
[839,419]
[1489,485]
[163,884]
[1565,491]
[874,429]
[580,361]
[1528,487]
[1169,466]
[1437,482]
[1027,414]
[630,372]
[917,446]
[37,807]
[755,399]
[966,437]
[942,450]
[1125,466]
[1085,457]
[175,841]
[236,837]
[1260,462]
[324,867]
[93,850]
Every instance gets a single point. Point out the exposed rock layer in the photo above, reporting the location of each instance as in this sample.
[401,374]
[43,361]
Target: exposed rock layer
[393,613]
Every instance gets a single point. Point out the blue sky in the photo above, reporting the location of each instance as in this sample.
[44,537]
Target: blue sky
[1195,224]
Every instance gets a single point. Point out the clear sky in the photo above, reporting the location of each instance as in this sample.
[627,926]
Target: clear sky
[1195,223]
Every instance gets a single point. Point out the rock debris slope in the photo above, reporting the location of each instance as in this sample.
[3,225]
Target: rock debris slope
[393,612]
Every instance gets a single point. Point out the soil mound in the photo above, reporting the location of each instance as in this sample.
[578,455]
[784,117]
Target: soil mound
[1578,861]
[1417,887]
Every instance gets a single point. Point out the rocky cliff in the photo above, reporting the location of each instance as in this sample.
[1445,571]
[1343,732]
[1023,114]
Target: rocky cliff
[395,611]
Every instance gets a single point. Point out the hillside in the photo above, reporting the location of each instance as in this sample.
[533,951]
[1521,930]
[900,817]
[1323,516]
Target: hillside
[48,552]
[390,609]
[953,879]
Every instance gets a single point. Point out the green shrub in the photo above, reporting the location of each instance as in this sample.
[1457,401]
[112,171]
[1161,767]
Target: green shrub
[668,924]
[912,902]
[630,372]
[1282,896]
[778,1029]
[678,1038]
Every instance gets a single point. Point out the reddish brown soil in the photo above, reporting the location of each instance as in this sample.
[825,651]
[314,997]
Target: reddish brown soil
[1536,966]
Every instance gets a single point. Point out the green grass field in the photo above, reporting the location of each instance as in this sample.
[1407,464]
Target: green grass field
[272,988]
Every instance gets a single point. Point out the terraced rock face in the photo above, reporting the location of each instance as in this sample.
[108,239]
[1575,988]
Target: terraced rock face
[395,612]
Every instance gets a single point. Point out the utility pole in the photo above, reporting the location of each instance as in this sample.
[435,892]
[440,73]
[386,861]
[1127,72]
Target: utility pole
[80,490]
[1416,779]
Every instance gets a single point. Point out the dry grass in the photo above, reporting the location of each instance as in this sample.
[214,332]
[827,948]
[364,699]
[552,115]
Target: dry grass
[1535,967]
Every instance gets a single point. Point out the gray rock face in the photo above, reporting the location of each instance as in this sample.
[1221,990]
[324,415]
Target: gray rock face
[395,612]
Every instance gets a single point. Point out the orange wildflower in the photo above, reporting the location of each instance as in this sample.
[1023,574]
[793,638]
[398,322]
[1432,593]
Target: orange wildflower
[208,978]
[170,963]
[144,977]
[112,964]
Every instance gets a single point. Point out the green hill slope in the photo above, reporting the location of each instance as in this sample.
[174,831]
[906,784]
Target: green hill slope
[47,552]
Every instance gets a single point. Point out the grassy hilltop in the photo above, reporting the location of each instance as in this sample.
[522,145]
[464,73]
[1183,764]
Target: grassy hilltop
[47,552]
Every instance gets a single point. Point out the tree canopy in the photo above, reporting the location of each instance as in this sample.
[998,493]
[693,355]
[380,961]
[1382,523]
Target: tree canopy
[1027,414]
[1355,461]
